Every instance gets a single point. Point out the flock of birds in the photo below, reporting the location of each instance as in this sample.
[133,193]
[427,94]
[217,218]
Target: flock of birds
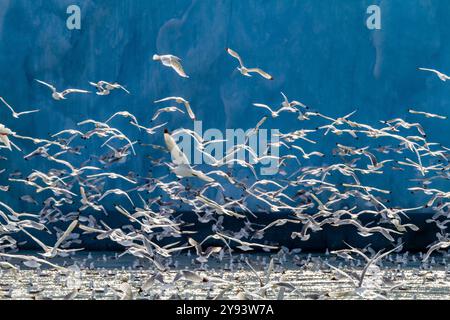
[309,198]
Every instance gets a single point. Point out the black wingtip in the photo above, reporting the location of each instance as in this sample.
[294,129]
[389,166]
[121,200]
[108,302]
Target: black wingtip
[166,130]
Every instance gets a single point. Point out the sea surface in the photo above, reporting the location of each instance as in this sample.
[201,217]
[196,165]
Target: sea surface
[308,275]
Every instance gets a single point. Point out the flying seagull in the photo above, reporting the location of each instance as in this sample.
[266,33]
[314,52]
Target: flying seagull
[166,109]
[51,252]
[4,139]
[61,95]
[14,113]
[180,100]
[246,71]
[441,76]
[427,115]
[182,167]
[171,61]
[104,88]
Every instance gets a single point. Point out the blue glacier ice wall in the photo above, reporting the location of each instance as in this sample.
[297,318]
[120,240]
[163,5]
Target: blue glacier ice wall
[320,52]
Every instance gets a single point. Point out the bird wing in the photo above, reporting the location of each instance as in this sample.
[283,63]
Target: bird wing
[157,113]
[124,178]
[112,117]
[46,84]
[349,115]
[299,148]
[261,105]
[420,129]
[83,195]
[211,250]
[438,73]
[261,72]
[124,89]
[372,158]
[168,109]
[432,115]
[426,69]
[66,233]
[181,100]
[6,104]
[285,98]
[67,91]
[176,65]
[125,114]
[97,85]
[189,110]
[437,246]
[5,141]
[27,112]
[234,54]
[426,114]
[298,103]
[261,122]
[120,192]
[196,245]
[158,126]
[165,99]
[117,192]
[38,242]
[202,176]
[178,157]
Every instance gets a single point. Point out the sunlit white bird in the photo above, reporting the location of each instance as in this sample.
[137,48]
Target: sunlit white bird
[171,61]
[441,76]
[104,88]
[308,155]
[182,167]
[167,109]
[124,114]
[286,103]
[61,95]
[111,175]
[149,130]
[426,114]
[180,100]
[273,113]
[4,139]
[51,252]
[14,113]
[436,246]
[246,71]
[117,192]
